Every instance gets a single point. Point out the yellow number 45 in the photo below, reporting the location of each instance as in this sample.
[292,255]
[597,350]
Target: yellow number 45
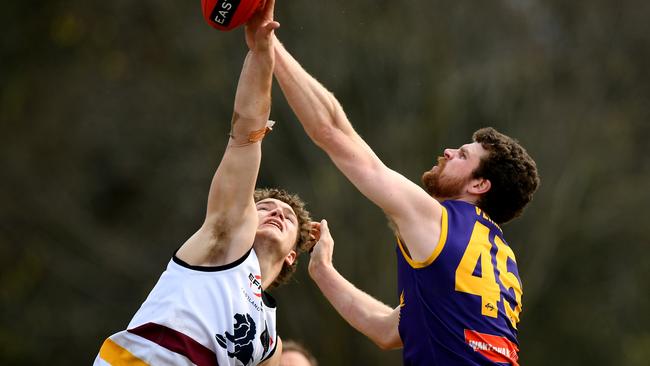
[485,285]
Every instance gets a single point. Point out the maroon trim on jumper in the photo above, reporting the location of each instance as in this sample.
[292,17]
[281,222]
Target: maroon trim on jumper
[177,342]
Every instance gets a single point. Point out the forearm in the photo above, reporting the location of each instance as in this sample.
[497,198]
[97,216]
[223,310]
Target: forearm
[324,120]
[327,125]
[374,319]
[315,106]
[253,98]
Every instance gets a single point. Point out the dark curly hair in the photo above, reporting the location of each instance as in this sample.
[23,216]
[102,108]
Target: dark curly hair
[304,226]
[511,172]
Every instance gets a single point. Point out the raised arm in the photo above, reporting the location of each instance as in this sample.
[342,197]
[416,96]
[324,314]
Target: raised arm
[374,319]
[416,214]
[231,219]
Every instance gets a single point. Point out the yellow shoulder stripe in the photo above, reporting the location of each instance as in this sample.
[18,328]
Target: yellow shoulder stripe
[436,251]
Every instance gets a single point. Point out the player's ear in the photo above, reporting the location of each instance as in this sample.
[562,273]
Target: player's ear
[291,257]
[479,186]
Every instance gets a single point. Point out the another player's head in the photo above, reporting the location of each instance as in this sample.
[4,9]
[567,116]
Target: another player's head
[285,222]
[295,354]
[494,171]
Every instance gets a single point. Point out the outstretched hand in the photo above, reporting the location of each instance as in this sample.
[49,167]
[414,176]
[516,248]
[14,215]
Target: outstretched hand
[321,252]
[259,28]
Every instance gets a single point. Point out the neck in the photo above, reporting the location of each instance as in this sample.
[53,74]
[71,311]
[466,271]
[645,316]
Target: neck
[270,267]
[469,198]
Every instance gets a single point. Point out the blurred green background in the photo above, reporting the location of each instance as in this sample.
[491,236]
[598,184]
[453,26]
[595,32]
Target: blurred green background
[114,115]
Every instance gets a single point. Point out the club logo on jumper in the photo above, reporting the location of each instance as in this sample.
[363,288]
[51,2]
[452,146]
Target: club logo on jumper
[495,348]
[241,339]
[223,11]
[255,283]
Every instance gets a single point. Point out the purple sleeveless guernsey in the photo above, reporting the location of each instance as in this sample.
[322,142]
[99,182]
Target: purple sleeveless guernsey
[460,306]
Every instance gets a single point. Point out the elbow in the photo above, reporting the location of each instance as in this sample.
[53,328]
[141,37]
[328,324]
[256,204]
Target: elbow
[324,135]
[387,336]
[383,345]
[386,344]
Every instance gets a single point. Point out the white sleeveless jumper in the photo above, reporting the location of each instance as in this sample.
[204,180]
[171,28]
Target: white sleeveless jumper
[199,316]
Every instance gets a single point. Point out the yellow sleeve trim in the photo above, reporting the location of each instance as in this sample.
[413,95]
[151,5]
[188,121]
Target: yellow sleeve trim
[436,252]
[115,355]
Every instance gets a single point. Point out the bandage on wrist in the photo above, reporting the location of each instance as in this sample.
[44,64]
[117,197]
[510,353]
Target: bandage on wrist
[256,135]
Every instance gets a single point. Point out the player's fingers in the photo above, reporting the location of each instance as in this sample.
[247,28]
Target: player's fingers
[270,27]
[269,8]
[309,247]
[266,30]
[323,227]
[314,235]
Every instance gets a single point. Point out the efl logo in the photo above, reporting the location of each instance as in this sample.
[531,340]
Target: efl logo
[495,348]
[223,11]
[254,282]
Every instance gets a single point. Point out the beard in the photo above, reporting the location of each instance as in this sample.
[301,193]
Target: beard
[440,186]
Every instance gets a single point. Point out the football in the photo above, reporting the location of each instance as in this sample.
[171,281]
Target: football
[226,15]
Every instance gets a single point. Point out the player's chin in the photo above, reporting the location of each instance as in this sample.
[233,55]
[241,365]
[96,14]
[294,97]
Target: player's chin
[268,234]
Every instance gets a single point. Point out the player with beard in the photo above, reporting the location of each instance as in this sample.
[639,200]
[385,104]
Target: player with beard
[459,288]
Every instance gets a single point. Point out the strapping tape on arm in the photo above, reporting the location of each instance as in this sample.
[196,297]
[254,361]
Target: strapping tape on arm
[255,136]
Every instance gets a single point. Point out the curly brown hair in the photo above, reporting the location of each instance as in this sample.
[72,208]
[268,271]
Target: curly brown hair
[304,226]
[511,172]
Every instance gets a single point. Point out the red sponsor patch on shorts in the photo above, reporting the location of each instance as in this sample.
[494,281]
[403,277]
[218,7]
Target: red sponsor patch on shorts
[495,348]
